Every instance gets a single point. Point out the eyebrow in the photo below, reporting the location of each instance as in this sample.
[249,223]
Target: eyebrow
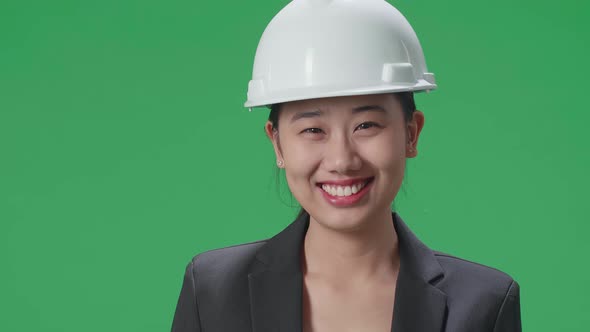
[315,113]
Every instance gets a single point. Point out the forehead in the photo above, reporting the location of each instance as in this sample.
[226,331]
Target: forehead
[344,106]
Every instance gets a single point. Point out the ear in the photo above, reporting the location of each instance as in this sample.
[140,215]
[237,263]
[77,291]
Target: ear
[414,128]
[273,136]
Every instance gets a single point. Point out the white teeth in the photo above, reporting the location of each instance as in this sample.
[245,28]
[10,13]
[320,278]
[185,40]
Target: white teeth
[343,190]
[347,191]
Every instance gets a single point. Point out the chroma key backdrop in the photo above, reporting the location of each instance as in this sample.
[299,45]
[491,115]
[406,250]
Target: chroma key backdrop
[125,150]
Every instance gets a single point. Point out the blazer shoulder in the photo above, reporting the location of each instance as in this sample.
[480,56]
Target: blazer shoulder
[216,287]
[226,260]
[472,275]
[479,295]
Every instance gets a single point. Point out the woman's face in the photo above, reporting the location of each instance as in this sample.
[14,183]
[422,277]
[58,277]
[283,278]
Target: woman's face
[342,138]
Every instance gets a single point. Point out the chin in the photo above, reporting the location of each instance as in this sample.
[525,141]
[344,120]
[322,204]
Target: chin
[342,221]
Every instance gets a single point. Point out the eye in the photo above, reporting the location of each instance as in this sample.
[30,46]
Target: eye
[312,130]
[367,125]
[364,125]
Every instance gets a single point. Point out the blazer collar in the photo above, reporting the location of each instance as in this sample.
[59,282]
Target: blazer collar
[276,283]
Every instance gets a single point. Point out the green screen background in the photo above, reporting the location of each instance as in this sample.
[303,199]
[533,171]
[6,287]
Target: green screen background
[125,150]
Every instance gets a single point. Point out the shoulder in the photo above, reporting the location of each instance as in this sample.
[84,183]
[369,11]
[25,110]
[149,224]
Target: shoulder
[479,295]
[457,267]
[466,279]
[226,261]
[217,286]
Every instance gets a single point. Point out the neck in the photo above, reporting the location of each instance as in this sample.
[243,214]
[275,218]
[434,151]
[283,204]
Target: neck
[367,252]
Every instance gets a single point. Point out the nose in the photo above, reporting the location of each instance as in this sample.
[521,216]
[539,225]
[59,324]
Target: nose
[341,155]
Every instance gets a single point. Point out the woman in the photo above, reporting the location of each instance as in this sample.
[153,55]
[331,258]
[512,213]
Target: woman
[339,77]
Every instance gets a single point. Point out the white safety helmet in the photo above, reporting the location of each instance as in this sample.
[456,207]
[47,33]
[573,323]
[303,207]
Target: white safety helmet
[327,48]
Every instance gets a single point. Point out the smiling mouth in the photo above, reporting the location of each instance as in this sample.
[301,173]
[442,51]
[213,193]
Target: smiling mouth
[344,191]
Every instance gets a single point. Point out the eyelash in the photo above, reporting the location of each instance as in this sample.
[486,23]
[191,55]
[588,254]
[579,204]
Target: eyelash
[373,124]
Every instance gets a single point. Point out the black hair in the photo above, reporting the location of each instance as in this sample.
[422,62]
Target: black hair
[406,99]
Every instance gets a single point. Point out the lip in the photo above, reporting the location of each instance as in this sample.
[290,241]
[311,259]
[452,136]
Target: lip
[346,182]
[346,200]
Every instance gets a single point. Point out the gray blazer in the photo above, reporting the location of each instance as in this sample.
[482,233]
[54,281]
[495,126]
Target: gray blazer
[257,287]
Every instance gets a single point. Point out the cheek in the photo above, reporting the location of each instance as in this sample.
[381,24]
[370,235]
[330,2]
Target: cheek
[300,163]
[388,153]
[389,159]
[302,152]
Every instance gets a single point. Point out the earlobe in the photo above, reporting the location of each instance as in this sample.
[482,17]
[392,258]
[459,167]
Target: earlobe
[410,151]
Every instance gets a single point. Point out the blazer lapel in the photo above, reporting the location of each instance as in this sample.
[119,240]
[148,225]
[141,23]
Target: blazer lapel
[419,305]
[276,282]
